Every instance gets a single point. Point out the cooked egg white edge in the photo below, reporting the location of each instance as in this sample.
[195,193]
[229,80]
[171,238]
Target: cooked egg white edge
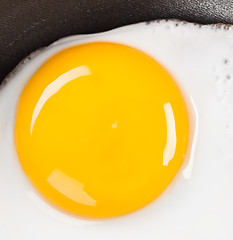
[189,209]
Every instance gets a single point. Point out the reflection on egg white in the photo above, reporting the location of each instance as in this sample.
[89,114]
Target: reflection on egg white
[187,171]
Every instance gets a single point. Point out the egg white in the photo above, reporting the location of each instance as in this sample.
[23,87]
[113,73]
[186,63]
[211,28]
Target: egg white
[198,203]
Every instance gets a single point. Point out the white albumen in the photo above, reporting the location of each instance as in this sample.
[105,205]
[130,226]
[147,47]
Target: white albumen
[198,204]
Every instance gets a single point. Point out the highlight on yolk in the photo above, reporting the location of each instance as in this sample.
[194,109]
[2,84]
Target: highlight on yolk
[101,129]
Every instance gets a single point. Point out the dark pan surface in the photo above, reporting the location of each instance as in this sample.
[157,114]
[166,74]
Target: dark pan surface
[30,24]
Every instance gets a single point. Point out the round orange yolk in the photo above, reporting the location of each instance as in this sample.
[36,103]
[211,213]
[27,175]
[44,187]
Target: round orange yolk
[101,129]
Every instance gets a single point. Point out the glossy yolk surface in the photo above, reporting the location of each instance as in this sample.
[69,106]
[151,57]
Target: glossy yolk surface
[101,129]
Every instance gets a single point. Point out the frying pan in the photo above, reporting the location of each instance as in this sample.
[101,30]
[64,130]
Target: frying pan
[31,24]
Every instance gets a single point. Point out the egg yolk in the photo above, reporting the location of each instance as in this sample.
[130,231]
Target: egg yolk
[101,129]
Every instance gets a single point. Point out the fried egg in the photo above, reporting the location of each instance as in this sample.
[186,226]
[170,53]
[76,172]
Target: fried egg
[122,134]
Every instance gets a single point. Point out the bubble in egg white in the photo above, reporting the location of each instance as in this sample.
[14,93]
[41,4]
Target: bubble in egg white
[196,207]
